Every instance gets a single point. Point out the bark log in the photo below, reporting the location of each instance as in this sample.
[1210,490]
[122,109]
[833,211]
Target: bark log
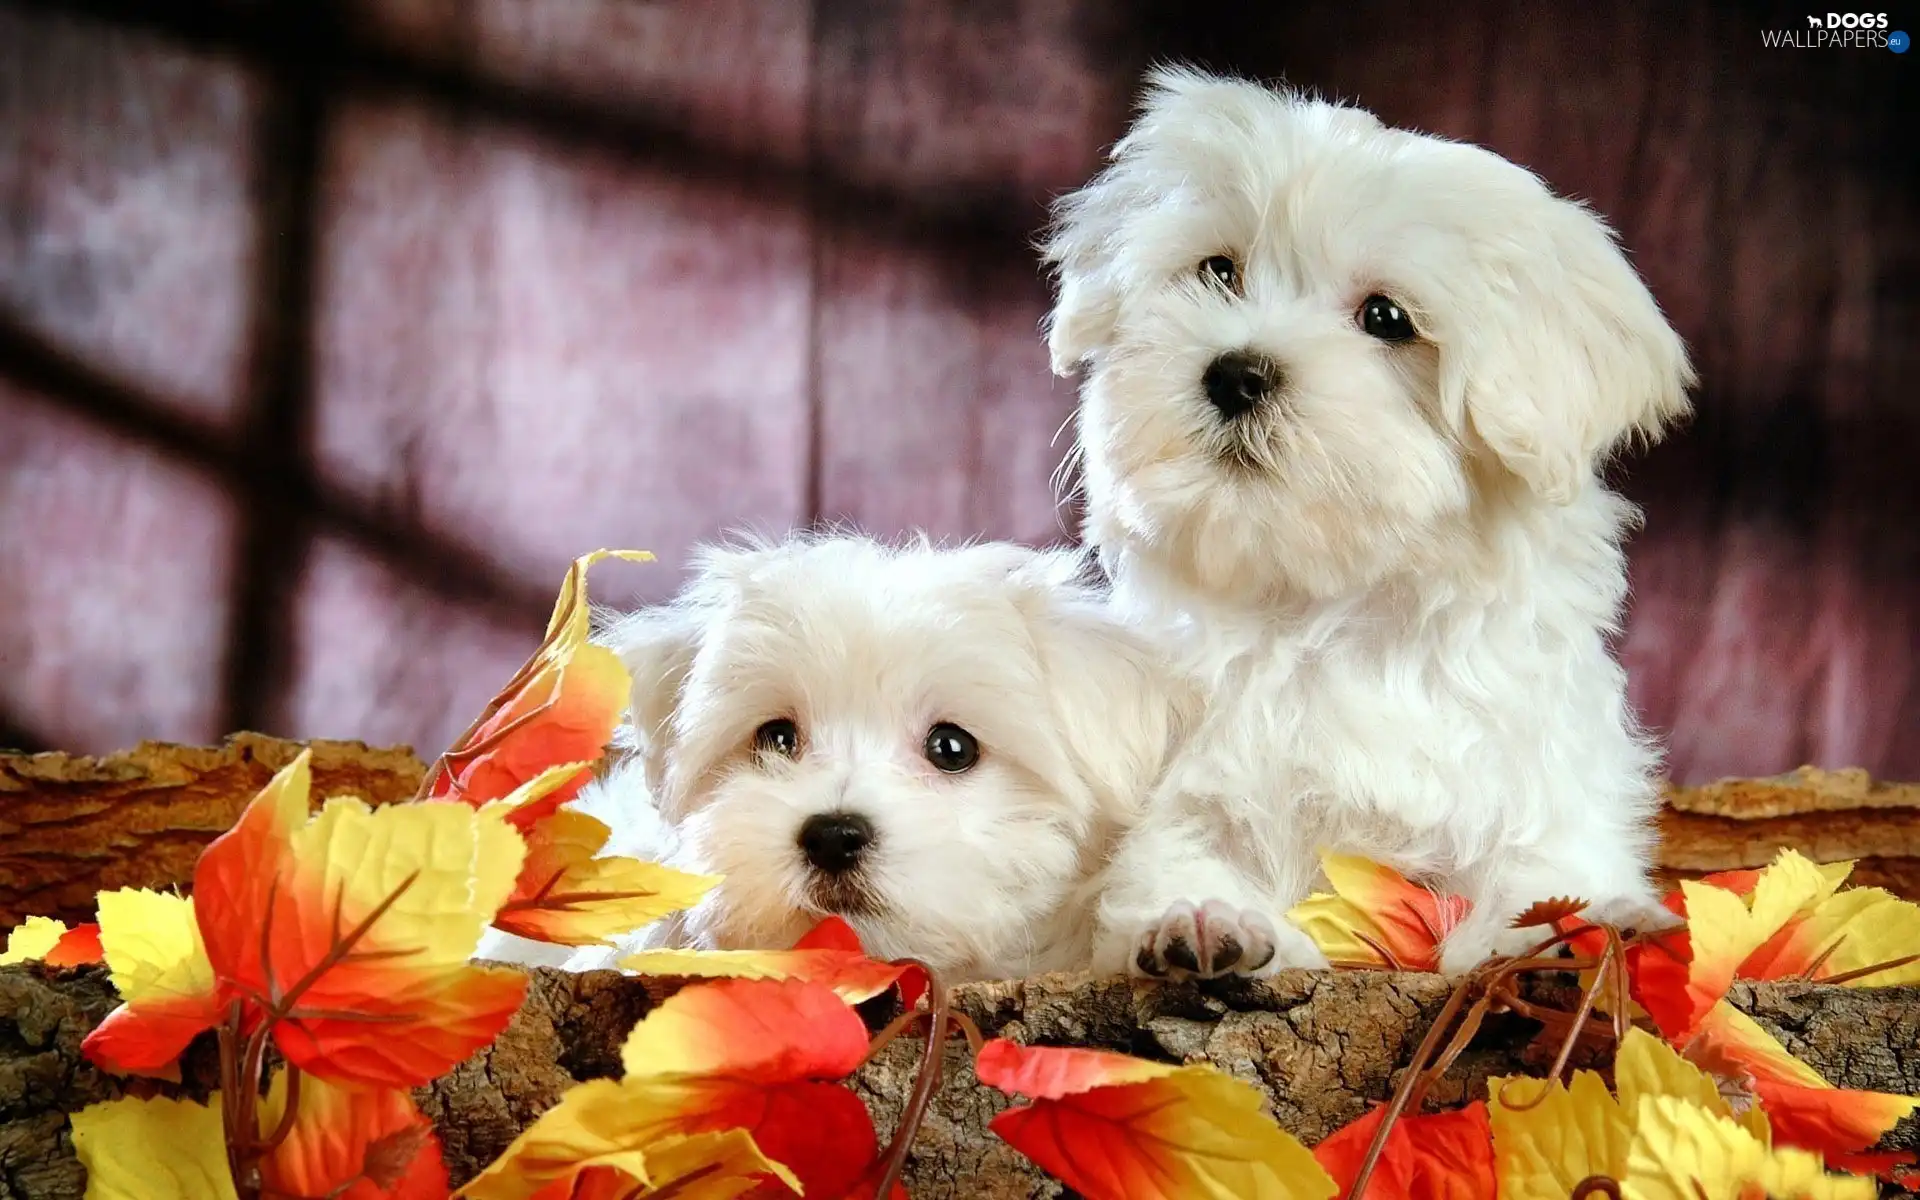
[1828,816]
[1318,1045]
[72,825]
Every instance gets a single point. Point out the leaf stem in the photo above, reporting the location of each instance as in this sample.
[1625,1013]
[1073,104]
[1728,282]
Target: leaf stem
[939,1013]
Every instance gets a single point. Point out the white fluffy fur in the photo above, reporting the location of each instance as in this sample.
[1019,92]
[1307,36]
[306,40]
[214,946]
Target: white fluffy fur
[987,874]
[1395,581]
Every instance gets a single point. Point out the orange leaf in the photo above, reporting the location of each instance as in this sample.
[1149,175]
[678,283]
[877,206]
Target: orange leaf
[562,707]
[1803,1109]
[1436,1156]
[775,1030]
[1112,1126]
[353,1144]
[758,1055]
[833,933]
[1376,917]
[829,954]
[151,943]
[1832,1121]
[567,896]
[355,930]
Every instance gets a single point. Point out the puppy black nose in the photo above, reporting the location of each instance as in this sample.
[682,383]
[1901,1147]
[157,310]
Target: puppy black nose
[1236,382]
[834,842]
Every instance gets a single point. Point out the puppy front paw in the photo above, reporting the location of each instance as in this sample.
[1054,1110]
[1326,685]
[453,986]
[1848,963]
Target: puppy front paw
[1216,939]
[1633,914]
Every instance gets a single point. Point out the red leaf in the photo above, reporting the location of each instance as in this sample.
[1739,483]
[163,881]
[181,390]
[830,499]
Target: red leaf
[146,1040]
[1346,1148]
[1435,1156]
[77,947]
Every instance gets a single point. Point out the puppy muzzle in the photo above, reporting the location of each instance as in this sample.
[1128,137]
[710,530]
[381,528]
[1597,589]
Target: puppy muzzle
[1240,381]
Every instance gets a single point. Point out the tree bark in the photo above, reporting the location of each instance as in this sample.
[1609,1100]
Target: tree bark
[72,825]
[1318,1045]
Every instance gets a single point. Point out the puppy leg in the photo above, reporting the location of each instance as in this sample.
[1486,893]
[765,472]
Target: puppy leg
[1614,885]
[1176,908]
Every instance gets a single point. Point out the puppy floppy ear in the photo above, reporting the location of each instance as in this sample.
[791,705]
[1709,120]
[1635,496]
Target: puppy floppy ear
[1079,250]
[1563,353]
[657,645]
[1119,707]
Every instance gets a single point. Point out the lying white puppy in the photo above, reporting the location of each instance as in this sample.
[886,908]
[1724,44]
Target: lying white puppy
[941,746]
[1346,391]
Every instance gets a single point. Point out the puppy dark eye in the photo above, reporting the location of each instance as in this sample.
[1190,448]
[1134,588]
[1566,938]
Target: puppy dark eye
[1223,271]
[951,748]
[778,736]
[1382,317]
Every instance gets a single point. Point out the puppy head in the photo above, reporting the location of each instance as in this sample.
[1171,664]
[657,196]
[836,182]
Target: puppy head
[933,744]
[1316,348]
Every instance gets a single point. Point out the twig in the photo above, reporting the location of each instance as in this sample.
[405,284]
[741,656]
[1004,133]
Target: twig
[939,1011]
[1862,972]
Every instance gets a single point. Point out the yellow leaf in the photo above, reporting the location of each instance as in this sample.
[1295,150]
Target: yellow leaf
[1647,1066]
[31,940]
[152,945]
[1680,1151]
[853,976]
[607,1125]
[567,896]
[570,618]
[1541,1150]
[153,1150]
[538,788]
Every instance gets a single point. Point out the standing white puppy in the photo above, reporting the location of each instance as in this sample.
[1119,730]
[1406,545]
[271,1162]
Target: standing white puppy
[1346,393]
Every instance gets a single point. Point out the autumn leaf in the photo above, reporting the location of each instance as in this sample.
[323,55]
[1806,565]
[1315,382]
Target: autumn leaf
[1802,1108]
[769,1029]
[764,1056]
[561,707]
[1548,1135]
[708,1166]
[602,1139]
[1789,920]
[755,1057]
[1545,1144]
[354,930]
[350,1144]
[567,896]
[153,1150]
[45,940]
[168,994]
[829,954]
[1865,937]
[1680,1151]
[1111,1126]
[1375,917]
[1434,1156]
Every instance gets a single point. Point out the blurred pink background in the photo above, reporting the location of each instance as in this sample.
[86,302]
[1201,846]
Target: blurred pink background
[329,333]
